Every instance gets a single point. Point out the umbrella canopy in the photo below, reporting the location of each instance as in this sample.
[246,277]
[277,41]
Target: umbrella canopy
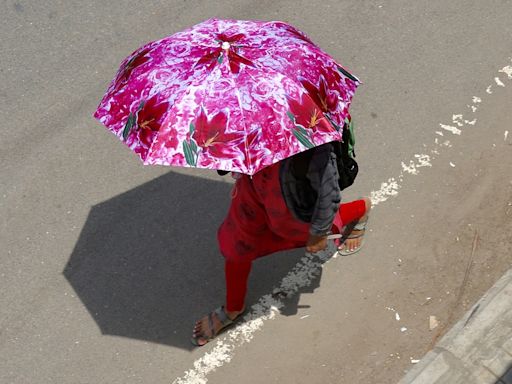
[228,94]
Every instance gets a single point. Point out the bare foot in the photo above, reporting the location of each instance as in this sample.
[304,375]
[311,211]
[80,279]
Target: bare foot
[355,236]
[351,244]
[209,326]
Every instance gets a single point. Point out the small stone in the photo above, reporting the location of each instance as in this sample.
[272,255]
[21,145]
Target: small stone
[433,322]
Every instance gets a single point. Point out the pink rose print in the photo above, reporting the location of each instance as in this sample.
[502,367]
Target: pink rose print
[137,60]
[168,110]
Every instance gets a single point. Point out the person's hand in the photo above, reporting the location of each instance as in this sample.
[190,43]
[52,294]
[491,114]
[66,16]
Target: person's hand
[316,243]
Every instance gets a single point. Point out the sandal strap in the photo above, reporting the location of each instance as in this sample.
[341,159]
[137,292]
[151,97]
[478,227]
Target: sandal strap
[351,236]
[212,328]
[361,225]
[222,316]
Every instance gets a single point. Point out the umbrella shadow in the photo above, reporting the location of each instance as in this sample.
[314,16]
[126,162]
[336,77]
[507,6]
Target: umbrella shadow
[507,376]
[146,264]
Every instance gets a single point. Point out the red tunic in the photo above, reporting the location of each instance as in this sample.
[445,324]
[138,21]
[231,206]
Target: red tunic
[259,222]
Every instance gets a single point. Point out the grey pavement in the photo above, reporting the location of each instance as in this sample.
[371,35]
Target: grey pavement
[105,264]
[478,349]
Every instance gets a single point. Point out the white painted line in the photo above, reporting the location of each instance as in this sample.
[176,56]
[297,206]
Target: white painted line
[506,135]
[457,119]
[499,82]
[387,189]
[450,128]
[302,275]
[423,161]
[411,168]
[507,70]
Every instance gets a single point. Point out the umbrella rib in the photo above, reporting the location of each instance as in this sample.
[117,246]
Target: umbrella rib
[247,153]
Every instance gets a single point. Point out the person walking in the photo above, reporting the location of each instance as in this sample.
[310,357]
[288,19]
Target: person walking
[259,99]
[291,204]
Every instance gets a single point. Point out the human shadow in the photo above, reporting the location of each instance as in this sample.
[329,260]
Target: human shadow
[146,264]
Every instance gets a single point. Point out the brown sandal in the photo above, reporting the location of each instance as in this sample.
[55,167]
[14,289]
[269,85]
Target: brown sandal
[224,320]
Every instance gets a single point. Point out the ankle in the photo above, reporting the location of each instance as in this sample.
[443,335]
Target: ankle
[368,206]
[233,314]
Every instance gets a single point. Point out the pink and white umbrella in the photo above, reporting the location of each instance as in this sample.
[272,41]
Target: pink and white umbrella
[229,95]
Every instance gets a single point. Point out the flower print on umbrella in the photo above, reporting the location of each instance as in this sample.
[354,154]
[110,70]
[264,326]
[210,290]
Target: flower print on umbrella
[307,115]
[227,47]
[171,140]
[137,60]
[150,118]
[281,57]
[146,121]
[326,99]
[211,137]
[293,31]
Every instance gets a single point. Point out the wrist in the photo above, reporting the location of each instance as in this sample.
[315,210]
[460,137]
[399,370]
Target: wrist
[317,233]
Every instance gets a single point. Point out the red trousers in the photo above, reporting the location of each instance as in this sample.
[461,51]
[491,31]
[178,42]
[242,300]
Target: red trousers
[259,223]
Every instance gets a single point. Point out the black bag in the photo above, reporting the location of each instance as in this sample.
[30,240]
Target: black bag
[347,165]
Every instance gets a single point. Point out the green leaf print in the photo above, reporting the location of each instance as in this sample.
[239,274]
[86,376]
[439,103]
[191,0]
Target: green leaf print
[193,146]
[303,139]
[302,130]
[351,140]
[129,125]
[189,154]
[291,116]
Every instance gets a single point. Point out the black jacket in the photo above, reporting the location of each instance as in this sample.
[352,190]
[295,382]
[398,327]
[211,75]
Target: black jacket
[309,183]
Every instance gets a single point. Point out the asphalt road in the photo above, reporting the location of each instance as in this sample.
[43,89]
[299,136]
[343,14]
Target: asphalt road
[105,264]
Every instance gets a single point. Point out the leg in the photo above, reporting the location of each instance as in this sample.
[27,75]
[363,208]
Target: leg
[240,237]
[237,274]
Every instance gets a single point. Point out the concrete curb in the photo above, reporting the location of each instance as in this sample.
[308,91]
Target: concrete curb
[478,349]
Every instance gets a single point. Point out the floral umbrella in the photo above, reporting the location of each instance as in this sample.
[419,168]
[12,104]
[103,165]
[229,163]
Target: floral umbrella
[229,95]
